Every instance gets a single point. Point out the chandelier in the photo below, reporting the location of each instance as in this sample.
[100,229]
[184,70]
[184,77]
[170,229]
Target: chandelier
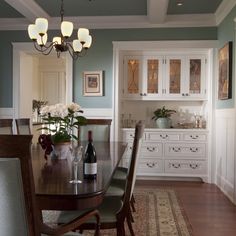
[38,33]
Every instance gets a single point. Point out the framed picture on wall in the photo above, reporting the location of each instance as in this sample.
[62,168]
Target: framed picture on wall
[93,83]
[225,72]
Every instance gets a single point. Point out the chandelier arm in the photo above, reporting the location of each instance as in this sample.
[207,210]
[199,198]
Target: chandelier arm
[71,51]
[43,48]
[48,50]
[83,52]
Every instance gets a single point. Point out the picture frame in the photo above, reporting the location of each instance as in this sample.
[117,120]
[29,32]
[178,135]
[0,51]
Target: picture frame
[225,72]
[93,83]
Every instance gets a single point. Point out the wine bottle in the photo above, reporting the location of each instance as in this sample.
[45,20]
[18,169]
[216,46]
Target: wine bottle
[90,159]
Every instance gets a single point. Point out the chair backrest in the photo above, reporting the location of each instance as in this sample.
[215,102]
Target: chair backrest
[139,129]
[17,201]
[99,127]
[6,126]
[23,126]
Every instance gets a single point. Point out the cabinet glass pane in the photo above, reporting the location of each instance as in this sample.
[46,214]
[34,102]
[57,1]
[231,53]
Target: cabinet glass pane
[133,76]
[195,76]
[175,75]
[152,74]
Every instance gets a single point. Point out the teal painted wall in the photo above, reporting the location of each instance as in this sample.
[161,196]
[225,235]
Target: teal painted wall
[99,57]
[226,32]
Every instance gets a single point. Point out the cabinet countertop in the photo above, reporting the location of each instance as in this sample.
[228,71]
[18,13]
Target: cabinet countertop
[170,130]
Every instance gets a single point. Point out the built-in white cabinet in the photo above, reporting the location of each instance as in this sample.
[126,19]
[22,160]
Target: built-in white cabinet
[165,77]
[170,153]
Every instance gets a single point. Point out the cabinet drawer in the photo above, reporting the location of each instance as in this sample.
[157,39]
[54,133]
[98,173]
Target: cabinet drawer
[185,167]
[151,149]
[159,136]
[150,166]
[185,149]
[194,136]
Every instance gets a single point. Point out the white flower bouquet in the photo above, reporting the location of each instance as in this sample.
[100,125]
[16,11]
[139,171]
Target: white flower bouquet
[60,119]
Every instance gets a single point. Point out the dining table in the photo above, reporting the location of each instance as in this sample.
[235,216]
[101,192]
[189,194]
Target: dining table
[52,177]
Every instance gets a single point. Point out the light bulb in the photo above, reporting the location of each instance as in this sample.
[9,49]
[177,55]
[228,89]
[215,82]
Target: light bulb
[41,25]
[57,40]
[66,29]
[88,42]
[77,46]
[83,34]
[32,31]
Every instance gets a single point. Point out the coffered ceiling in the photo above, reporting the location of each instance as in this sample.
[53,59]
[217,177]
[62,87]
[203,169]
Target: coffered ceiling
[17,14]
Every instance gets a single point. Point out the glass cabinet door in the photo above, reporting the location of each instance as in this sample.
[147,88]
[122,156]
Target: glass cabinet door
[175,76]
[153,80]
[174,79]
[132,77]
[195,76]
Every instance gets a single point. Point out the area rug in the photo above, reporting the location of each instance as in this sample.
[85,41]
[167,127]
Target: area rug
[158,213]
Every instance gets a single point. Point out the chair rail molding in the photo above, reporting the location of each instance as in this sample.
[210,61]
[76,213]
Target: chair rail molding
[6,113]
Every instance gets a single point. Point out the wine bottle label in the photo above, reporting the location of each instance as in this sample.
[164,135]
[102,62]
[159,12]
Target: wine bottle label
[90,168]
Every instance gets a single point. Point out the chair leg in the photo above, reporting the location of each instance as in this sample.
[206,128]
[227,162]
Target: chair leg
[130,215]
[130,226]
[132,198]
[132,205]
[120,229]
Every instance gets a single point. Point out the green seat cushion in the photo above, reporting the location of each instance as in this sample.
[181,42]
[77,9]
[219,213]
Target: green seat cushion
[116,188]
[121,173]
[107,210]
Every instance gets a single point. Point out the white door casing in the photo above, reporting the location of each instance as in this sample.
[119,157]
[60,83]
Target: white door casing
[27,48]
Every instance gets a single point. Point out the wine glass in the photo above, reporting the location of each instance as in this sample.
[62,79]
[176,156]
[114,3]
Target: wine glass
[77,153]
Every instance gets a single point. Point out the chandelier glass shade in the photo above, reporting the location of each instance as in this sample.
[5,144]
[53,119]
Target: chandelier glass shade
[38,33]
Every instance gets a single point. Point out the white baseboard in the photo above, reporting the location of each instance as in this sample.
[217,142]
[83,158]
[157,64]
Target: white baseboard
[226,187]
[6,113]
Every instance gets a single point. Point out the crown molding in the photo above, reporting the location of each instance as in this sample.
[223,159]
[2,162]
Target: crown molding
[223,10]
[117,22]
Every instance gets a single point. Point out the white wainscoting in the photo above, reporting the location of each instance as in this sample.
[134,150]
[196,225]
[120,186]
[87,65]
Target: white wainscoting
[6,113]
[225,151]
[97,113]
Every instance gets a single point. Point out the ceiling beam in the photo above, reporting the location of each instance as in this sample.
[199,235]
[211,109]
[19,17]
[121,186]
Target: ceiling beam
[223,10]
[28,8]
[157,11]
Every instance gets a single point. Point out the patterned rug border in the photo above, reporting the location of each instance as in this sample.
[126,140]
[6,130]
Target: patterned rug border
[180,203]
[183,226]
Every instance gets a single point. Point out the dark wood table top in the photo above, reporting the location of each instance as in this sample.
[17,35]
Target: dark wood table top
[53,190]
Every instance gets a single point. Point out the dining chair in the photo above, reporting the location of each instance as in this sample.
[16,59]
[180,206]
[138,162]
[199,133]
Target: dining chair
[23,126]
[19,214]
[100,128]
[114,210]
[6,126]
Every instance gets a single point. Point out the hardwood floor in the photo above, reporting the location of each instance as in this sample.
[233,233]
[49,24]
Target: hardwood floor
[209,211]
